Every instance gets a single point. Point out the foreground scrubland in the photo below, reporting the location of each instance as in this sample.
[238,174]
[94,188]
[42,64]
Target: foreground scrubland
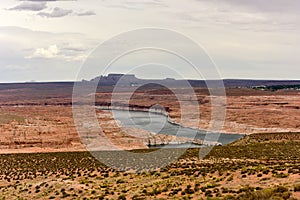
[256,167]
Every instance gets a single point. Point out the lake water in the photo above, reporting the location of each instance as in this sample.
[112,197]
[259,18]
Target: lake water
[158,123]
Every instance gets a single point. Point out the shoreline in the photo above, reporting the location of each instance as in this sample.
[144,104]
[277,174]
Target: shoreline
[162,112]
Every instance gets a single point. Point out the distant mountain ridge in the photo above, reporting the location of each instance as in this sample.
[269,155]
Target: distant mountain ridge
[132,80]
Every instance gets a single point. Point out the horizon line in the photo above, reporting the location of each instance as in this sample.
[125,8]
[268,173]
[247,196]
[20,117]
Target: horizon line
[73,81]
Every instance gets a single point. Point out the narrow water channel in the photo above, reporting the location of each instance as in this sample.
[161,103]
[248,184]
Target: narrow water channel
[159,123]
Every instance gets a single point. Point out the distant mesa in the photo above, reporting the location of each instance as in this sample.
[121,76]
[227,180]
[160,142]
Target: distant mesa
[131,80]
[114,79]
[128,80]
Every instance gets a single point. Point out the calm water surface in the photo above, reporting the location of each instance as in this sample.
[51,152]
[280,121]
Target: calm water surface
[158,123]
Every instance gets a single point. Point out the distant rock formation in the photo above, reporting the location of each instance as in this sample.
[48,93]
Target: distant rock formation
[114,79]
[132,80]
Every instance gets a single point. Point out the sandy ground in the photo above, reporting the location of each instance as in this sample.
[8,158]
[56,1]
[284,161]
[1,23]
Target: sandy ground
[38,126]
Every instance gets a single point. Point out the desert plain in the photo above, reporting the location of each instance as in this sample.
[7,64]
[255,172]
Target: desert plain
[43,157]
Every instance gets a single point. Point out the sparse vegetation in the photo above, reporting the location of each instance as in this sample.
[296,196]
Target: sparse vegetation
[260,166]
[78,175]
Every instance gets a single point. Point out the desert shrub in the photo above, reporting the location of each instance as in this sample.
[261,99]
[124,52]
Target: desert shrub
[280,189]
[101,197]
[229,197]
[64,195]
[138,197]
[230,178]
[225,190]
[266,172]
[120,181]
[189,190]
[278,192]
[297,188]
[208,193]
[122,197]
[281,175]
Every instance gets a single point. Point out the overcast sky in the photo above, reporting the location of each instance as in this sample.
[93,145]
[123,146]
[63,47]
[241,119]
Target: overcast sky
[49,40]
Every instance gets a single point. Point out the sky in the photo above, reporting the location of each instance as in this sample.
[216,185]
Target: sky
[50,40]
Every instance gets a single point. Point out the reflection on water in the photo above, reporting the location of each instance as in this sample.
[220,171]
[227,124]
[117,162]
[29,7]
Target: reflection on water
[158,123]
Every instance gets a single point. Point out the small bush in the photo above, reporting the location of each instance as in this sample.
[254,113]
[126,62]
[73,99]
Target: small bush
[297,188]
[122,197]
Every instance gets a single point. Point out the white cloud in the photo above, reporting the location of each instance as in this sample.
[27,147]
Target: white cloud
[36,55]
[51,52]
[54,52]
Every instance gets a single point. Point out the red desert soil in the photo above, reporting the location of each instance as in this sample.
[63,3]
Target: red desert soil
[32,120]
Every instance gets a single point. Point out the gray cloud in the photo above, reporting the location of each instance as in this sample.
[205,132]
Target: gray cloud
[257,38]
[256,15]
[86,13]
[38,0]
[134,4]
[74,49]
[122,7]
[56,12]
[46,0]
[31,6]
[267,6]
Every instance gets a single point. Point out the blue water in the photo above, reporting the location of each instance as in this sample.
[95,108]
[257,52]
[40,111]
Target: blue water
[158,123]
